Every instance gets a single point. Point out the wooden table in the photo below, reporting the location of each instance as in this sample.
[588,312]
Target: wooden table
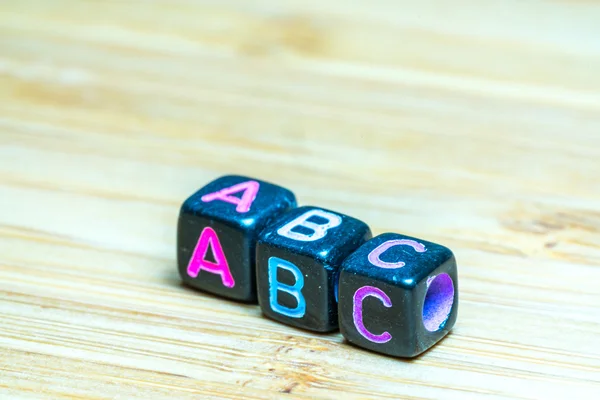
[472,124]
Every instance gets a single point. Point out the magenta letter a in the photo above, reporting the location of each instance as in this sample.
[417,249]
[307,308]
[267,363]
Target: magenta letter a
[209,237]
[250,189]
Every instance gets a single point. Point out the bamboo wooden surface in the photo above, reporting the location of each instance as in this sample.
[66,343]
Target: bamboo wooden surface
[475,124]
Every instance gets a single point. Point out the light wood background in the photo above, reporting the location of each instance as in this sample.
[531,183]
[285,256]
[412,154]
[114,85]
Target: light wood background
[473,123]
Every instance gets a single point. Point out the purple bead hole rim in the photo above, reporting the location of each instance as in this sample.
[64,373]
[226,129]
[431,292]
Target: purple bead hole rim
[438,303]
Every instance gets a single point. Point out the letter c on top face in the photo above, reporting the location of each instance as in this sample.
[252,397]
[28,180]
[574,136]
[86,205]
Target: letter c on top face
[374,256]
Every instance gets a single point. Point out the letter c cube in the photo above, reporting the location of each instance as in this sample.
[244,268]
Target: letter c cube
[398,295]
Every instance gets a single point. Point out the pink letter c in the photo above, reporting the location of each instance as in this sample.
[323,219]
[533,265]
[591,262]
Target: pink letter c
[375,254]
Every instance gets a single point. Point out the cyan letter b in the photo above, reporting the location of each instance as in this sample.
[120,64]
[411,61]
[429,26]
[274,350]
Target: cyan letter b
[295,290]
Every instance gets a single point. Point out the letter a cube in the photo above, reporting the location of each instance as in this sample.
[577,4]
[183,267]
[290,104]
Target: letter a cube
[217,232]
[398,295]
[299,257]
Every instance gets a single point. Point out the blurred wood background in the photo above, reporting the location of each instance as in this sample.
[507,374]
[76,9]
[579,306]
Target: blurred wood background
[475,124]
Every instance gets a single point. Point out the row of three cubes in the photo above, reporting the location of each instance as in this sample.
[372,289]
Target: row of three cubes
[316,269]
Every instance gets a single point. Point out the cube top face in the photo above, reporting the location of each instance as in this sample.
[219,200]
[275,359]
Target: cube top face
[298,258]
[318,233]
[217,231]
[396,302]
[241,202]
[400,260]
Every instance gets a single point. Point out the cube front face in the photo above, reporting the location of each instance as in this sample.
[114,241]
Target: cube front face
[298,260]
[216,258]
[292,289]
[398,295]
[217,231]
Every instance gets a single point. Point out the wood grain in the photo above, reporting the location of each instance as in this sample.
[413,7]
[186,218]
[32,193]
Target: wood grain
[475,124]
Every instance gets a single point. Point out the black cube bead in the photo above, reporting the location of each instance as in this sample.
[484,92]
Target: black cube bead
[398,295]
[298,259]
[217,232]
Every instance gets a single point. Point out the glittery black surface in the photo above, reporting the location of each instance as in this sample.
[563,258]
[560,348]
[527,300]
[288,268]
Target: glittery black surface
[237,233]
[406,288]
[319,262]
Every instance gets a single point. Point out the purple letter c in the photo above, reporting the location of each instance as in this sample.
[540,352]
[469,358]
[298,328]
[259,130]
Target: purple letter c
[357,313]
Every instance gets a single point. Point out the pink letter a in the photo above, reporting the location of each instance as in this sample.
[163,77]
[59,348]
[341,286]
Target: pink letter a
[209,237]
[250,189]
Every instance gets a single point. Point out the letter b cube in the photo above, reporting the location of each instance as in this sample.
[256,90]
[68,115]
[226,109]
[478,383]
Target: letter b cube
[398,295]
[217,231]
[298,259]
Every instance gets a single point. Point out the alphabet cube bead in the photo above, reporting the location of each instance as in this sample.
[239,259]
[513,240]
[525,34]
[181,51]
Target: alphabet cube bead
[298,259]
[398,295]
[217,232]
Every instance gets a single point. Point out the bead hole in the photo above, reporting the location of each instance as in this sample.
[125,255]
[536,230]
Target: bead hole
[438,302]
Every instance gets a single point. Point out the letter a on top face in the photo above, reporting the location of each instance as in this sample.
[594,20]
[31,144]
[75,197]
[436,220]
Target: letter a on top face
[298,260]
[217,232]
